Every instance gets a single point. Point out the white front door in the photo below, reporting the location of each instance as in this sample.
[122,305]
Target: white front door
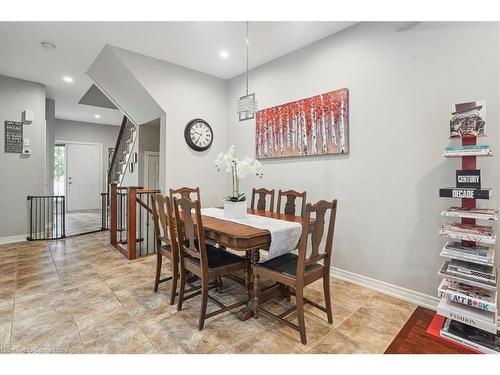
[83,175]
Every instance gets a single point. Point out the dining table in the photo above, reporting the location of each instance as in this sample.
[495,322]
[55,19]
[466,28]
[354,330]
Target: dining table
[248,240]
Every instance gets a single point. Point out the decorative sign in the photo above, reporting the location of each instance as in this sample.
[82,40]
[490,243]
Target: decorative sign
[469,179]
[13,137]
[318,125]
[465,193]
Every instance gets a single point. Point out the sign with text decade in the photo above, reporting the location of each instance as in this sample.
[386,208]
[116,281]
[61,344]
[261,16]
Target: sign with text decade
[13,137]
[470,179]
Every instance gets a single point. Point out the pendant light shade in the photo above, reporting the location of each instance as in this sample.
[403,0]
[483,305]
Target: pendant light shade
[246,105]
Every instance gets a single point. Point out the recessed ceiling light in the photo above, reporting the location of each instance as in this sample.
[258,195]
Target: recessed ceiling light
[67,79]
[97,116]
[48,45]
[224,54]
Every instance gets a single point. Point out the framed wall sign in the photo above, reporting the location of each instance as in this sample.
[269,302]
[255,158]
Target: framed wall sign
[14,137]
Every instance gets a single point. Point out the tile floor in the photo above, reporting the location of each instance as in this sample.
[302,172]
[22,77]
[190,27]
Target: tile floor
[84,221]
[80,295]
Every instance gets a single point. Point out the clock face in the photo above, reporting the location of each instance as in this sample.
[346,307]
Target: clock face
[198,135]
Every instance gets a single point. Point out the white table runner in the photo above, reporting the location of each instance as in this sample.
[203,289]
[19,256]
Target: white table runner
[285,235]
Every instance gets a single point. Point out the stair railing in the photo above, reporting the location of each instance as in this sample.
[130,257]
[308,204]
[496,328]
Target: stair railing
[131,220]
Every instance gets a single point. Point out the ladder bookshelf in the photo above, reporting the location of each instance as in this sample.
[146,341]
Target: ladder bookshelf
[468,291]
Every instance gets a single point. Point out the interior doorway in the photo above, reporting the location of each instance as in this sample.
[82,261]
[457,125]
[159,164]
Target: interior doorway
[78,177]
[151,170]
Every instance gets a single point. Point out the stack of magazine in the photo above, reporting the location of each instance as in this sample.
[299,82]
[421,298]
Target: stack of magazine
[471,213]
[467,311]
[473,150]
[468,232]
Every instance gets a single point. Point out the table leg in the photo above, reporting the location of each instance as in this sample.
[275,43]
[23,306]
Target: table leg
[252,257]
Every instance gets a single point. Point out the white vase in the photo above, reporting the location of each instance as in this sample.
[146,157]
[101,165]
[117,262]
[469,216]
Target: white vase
[235,210]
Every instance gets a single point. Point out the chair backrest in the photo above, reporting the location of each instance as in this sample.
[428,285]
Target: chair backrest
[261,202]
[291,197]
[163,219]
[185,192]
[191,237]
[314,227]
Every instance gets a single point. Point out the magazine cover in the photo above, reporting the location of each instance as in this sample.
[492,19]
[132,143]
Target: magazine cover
[472,337]
[469,315]
[473,213]
[477,254]
[482,230]
[468,119]
[477,271]
[443,272]
[463,236]
[468,295]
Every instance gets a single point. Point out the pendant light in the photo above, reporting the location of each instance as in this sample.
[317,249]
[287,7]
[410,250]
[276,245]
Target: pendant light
[246,105]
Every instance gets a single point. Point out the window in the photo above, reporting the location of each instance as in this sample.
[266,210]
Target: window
[59,169]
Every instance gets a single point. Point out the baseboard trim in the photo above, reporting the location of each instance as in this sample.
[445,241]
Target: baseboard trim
[12,239]
[392,290]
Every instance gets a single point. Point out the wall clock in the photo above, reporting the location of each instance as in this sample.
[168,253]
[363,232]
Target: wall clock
[198,135]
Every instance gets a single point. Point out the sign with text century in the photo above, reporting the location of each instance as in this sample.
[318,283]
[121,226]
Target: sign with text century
[469,179]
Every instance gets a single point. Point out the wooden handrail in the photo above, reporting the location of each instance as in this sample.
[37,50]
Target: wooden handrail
[117,145]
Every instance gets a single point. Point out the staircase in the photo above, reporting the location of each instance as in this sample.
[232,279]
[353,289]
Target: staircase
[123,151]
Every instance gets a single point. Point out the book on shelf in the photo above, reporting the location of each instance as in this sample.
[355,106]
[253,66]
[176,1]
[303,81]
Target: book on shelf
[468,153]
[443,272]
[467,147]
[471,213]
[468,232]
[469,295]
[477,254]
[471,337]
[454,192]
[481,272]
[471,316]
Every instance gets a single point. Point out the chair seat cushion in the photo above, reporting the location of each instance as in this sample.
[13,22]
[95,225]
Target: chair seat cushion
[286,264]
[217,257]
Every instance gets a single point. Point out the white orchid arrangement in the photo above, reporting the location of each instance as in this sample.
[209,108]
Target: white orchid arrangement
[230,163]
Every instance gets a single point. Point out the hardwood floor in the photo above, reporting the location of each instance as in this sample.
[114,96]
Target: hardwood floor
[413,339]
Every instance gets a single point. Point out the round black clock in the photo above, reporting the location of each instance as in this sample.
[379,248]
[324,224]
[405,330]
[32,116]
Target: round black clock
[198,134]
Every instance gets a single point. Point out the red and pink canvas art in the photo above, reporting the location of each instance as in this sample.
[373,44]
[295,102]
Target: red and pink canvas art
[314,126]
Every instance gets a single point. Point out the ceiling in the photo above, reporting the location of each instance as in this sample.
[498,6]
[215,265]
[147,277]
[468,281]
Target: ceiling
[194,45]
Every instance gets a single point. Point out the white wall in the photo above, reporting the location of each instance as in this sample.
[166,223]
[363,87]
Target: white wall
[183,95]
[66,130]
[401,85]
[21,175]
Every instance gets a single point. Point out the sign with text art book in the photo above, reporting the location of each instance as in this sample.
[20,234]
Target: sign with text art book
[318,125]
[468,119]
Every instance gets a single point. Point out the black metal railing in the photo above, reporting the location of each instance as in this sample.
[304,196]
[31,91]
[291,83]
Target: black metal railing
[122,215]
[104,211]
[146,240]
[46,217]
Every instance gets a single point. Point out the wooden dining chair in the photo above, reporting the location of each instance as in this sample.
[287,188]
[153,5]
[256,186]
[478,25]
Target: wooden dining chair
[202,259]
[291,196]
[261,202]
[185,192]
[298,271]
[166,241]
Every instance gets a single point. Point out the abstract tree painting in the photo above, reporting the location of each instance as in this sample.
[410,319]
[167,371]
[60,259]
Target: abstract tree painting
[314,126]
